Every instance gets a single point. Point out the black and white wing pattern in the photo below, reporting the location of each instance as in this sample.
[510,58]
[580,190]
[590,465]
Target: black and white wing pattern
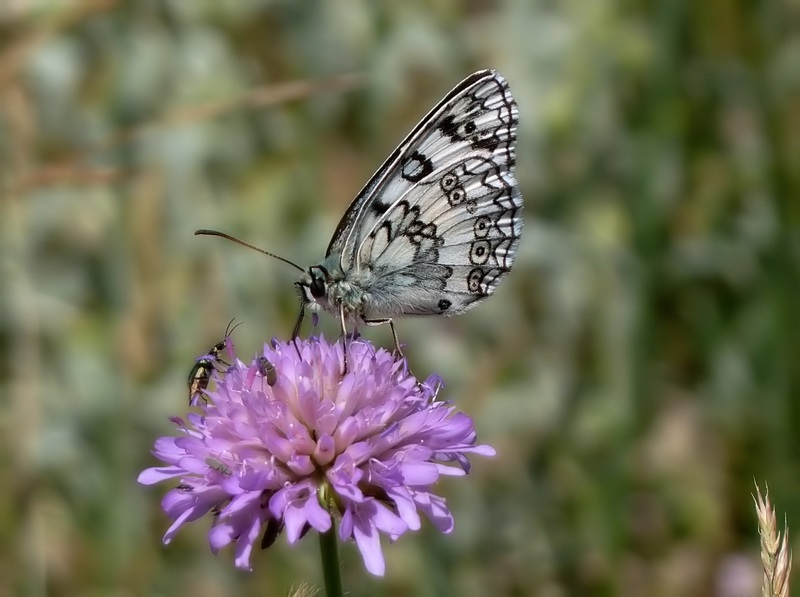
[437,227]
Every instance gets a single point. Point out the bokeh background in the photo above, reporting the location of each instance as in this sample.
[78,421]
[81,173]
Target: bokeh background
[637,372]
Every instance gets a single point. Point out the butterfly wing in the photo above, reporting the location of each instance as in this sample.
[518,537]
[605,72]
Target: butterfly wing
[437,228]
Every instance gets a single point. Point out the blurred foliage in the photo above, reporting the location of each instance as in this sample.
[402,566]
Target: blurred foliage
[636,372]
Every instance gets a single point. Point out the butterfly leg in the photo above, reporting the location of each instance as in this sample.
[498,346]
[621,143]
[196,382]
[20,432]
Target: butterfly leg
[296,331]
[300,317]
[344,335]
[384,321]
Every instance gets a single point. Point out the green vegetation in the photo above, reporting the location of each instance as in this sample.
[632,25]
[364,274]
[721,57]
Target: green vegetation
[637,371]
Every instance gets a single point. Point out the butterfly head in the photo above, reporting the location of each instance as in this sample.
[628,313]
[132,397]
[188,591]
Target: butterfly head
[313,285]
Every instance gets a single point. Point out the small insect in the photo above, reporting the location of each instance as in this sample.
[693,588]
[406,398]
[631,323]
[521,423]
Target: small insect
[267,370]
[200,374]
[437,227]
[218,466]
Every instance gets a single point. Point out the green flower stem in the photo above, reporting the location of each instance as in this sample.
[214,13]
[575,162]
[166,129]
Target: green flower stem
[329,550]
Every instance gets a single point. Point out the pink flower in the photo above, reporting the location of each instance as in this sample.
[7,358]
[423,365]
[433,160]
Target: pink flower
[289,451]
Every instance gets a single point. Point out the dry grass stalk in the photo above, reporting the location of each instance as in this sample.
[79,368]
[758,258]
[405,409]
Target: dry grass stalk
[304,590]
[776,557]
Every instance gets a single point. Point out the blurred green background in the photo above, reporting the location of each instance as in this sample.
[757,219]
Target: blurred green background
[636,372]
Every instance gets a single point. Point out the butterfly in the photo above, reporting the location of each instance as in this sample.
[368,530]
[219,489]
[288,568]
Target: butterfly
[436,229]
[200,374]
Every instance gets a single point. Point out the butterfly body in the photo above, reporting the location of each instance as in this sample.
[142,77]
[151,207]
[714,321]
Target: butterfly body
[367,293]
[328,287]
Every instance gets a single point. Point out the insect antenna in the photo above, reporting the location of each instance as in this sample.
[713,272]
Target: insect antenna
[229,329]
[206,232]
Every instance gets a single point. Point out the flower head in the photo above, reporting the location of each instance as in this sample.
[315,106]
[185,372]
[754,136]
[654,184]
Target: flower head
[289,440]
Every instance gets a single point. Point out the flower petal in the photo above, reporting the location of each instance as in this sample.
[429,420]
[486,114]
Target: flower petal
[155,474]
[369,544]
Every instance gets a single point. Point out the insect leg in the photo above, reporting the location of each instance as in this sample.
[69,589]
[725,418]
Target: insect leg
[384,321]
[344,335]
[296,331]
[300,317]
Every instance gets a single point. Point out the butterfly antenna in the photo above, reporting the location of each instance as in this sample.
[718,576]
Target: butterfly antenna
[205,232]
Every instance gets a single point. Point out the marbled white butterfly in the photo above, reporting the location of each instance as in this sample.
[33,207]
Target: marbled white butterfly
[437,227]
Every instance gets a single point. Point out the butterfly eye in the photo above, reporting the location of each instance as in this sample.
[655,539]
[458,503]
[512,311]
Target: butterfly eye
[317,287]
